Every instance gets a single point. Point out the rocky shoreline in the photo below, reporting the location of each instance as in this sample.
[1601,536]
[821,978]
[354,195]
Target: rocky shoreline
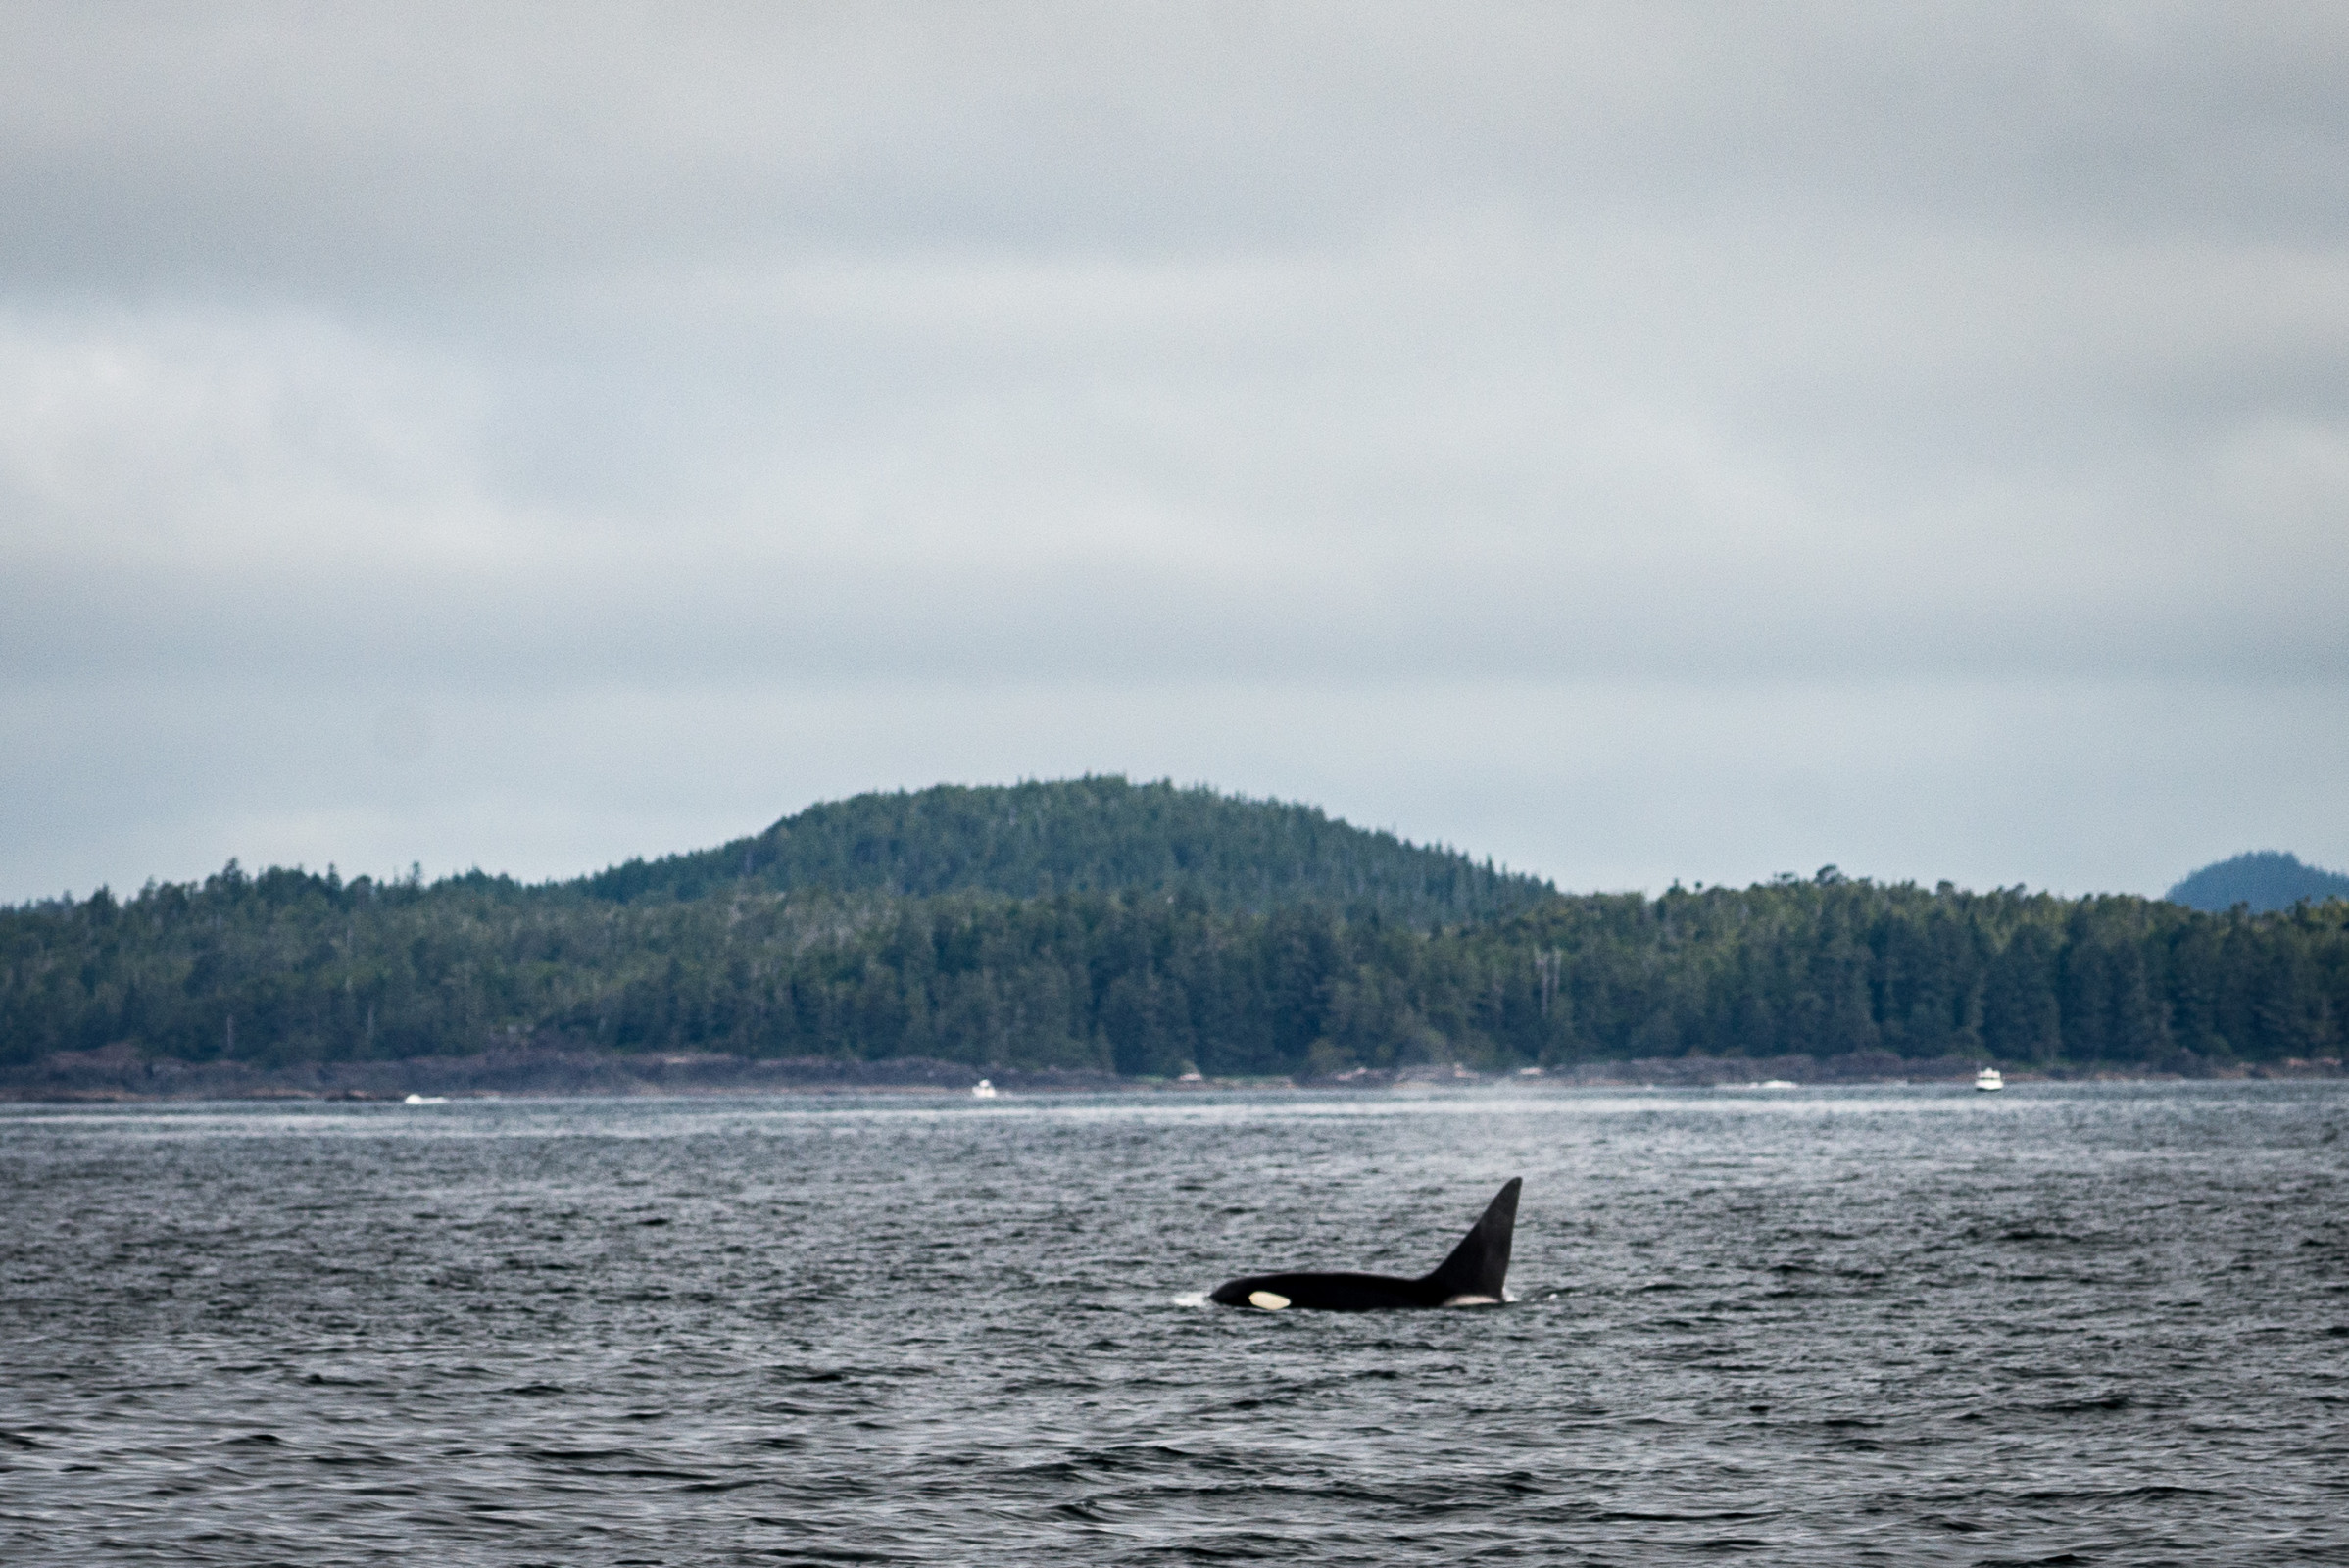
[116,1073]
[119,1074]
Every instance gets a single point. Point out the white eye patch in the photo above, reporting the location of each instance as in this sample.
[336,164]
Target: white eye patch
[1270,1300]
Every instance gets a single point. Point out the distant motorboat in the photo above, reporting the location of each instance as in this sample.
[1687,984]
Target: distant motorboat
[426,1100]
[1988,1080]
[981,1090]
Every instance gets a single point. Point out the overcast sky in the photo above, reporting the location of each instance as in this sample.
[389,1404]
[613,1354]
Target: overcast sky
[1638,442]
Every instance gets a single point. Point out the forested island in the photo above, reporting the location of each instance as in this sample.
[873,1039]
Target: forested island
[1150,931]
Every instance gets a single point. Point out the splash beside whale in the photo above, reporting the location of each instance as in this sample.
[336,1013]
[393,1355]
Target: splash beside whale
[1472,1276]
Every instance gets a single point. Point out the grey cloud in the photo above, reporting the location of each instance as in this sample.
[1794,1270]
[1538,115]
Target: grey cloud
[293,146]
[1685,393]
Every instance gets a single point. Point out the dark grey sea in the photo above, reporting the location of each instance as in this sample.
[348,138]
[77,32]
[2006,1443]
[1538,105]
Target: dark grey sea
[2064,1324]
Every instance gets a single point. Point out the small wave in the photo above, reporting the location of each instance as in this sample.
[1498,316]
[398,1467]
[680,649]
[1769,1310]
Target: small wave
[2109,1402]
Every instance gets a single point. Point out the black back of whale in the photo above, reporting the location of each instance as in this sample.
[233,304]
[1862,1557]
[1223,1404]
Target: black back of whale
[1476,1269]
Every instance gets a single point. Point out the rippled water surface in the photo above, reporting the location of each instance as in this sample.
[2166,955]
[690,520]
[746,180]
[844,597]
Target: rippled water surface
[2064,1324]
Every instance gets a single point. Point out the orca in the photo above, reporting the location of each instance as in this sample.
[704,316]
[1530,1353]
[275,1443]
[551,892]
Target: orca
[1471,1277]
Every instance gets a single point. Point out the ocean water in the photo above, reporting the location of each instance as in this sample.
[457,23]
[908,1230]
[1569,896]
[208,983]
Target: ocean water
[2065,1324]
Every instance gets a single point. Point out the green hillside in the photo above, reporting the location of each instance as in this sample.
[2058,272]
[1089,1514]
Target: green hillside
[1087,835]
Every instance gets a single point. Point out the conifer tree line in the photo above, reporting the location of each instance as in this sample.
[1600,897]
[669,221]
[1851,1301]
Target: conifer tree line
[290,966]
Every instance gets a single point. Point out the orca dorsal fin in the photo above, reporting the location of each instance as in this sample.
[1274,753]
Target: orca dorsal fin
[1479,1264]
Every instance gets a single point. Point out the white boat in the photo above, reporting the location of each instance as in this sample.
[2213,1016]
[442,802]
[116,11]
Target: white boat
[426,1100]
[981,1090]
[1988,1080]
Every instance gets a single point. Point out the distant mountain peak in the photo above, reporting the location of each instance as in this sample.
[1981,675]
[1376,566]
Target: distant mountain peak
[2263,879]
